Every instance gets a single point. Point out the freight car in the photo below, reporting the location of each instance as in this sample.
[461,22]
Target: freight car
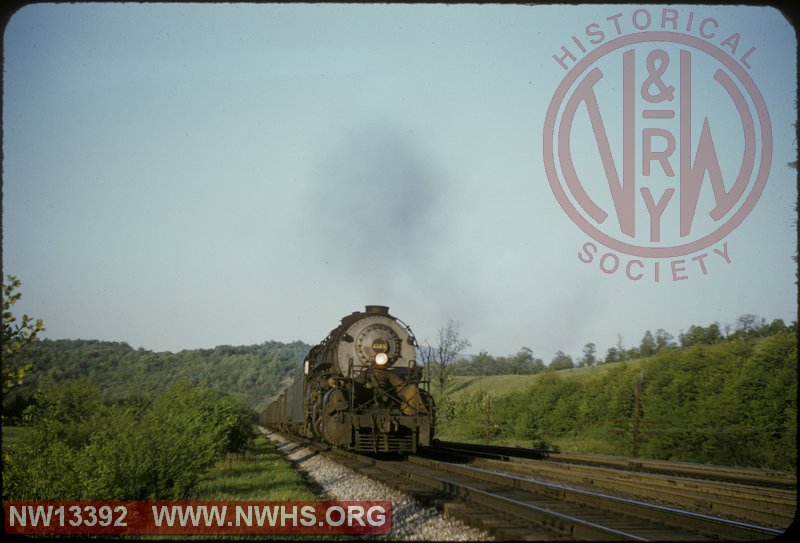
[360,389]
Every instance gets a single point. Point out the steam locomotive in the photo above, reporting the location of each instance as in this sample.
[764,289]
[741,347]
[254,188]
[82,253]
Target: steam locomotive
[361,389]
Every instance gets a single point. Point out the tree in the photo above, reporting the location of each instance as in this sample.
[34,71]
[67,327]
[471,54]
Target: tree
[776,326]
[612,355]
[620,348]
[561,361]
[537,366]
[694,336]
[16,336]
[664,340]
[648,345]
[522,363]
[747,323]
[589,352]
[439,358]
[697,335]
[712,334]
[482,363]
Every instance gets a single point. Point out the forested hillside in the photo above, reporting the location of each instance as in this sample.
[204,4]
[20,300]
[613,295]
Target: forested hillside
[253,372]
[730,401]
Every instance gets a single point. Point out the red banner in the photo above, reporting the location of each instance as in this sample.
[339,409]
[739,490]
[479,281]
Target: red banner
[198,517]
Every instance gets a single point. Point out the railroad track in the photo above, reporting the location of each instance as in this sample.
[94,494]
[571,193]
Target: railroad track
[712,490]
[759,477]
[500,497]
[521,508]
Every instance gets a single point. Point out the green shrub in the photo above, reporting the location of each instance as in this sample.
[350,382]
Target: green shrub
[79,448]
[732,402]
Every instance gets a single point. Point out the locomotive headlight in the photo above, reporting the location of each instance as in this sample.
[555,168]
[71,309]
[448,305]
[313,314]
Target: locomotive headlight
[381,359]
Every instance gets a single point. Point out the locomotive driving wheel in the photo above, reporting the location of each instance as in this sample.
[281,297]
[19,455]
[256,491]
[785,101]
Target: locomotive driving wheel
[335,425]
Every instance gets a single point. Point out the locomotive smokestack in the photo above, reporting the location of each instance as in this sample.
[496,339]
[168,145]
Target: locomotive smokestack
[377,309]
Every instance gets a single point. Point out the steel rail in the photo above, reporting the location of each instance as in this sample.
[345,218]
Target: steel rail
[648,511]
[780,479]
[768,506]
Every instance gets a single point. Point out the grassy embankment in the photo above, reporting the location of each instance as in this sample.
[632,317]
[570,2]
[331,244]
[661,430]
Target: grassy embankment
[259,473]
[504,384]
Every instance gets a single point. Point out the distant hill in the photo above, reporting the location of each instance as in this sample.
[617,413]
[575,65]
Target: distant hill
[254,372]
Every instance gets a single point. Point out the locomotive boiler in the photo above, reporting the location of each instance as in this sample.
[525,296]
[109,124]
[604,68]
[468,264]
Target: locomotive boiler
[360,389]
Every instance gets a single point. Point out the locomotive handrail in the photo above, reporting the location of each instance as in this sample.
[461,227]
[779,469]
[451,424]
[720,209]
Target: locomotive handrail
[410,333]
[352,382]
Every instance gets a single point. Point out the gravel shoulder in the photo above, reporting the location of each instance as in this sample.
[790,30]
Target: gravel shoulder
[410,520]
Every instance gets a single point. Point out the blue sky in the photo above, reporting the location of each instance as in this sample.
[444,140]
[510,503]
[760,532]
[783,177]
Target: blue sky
[184,176]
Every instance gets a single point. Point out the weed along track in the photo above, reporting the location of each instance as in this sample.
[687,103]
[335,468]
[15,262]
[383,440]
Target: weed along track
[518,499]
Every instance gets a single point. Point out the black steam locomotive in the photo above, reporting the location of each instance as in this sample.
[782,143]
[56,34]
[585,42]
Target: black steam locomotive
[360,389]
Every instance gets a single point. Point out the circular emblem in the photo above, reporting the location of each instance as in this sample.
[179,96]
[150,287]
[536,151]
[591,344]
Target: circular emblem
[657,144]
[376,339]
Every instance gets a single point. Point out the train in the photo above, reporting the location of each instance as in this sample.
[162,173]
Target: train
[360,389]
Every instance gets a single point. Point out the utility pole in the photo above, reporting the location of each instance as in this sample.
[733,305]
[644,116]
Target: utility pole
[636,419]
[637,414]
[487,407]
